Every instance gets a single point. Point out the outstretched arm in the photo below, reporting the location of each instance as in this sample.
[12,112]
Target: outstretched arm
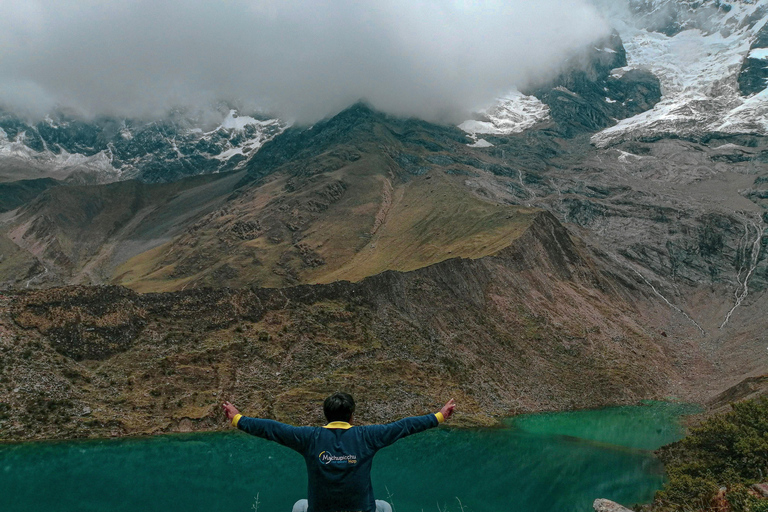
[293,437]
[383,435]
[231,411]
[447,409]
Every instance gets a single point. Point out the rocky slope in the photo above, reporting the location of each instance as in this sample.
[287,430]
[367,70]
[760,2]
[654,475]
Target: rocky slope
[78,233]
[493,332]
[675,194]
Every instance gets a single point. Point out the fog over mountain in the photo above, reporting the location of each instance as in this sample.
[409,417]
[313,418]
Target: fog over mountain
[303,60]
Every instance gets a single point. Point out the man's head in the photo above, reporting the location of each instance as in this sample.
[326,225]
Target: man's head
[339,407]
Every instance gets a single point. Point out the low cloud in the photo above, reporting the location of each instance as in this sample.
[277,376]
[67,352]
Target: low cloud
[301,59]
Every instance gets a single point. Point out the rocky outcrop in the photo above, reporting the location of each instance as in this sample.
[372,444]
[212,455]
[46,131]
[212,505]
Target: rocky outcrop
[94,323]
[603,505]
[594,94]
[749,388]
[753,77]
[670,17]
[761,489]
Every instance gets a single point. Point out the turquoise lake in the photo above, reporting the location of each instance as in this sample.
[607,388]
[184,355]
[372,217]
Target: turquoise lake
[556,462]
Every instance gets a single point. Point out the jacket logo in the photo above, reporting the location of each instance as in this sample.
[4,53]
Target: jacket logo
[327,458]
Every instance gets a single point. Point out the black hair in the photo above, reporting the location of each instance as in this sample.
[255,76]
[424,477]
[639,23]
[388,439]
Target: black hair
[339,407]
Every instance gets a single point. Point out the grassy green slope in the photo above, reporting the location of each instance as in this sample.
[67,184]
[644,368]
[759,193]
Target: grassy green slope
[351,197]
[79,232]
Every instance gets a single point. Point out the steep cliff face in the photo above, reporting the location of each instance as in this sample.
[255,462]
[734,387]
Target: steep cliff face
[684,221]
[753,77]
[598,91]
[671,17]
[698,50]
[535,326]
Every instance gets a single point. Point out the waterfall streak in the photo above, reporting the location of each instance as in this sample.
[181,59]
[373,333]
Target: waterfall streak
[560,199]
[743,289]
[38,276]
[529,191]
[743,259]
[703,333]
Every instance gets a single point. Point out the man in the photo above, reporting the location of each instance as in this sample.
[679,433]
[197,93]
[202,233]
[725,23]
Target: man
[338,455]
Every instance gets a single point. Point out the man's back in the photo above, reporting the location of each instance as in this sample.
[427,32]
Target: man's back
[338,456]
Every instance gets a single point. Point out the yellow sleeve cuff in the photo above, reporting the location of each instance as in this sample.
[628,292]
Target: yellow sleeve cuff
[237,418]
[440,417]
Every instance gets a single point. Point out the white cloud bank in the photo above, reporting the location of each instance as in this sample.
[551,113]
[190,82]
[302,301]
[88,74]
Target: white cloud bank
[304,60]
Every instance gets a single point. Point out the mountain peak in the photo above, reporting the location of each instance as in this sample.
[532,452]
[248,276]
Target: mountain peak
[355,130]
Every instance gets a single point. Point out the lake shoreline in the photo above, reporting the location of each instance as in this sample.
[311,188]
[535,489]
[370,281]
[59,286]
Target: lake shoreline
[545,461]
[465,424]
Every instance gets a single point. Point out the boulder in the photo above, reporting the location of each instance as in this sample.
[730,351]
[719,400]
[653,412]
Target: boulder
[761,489]
[603,505]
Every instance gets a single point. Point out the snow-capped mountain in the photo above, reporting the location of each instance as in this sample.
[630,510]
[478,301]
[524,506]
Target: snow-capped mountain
[710,58]
[109,149]
[588,95]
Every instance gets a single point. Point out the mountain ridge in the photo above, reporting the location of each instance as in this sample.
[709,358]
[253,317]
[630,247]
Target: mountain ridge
[666,209]
[488,329]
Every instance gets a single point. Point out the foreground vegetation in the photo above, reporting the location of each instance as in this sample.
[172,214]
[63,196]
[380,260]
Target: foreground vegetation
[714,466]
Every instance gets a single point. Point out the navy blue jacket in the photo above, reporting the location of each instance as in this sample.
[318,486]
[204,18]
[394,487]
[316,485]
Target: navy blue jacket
[338,456]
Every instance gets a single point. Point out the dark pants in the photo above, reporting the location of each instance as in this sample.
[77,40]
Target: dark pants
[381,506]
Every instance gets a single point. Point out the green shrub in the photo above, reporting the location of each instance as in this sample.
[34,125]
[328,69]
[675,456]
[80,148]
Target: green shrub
[728,450]
[741,500]
[694,491]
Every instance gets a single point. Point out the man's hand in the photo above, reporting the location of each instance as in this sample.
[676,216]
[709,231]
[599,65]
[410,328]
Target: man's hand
[230,410]
[448,408]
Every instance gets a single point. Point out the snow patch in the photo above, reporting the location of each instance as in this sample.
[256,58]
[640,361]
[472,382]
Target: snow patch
[759,53]
[266,131]
[625,156]
[225,142]
[481,143]
[749,117]
[512,113]
[236,122]
[729,145]
[226,155]
[64,161]
[620,72]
